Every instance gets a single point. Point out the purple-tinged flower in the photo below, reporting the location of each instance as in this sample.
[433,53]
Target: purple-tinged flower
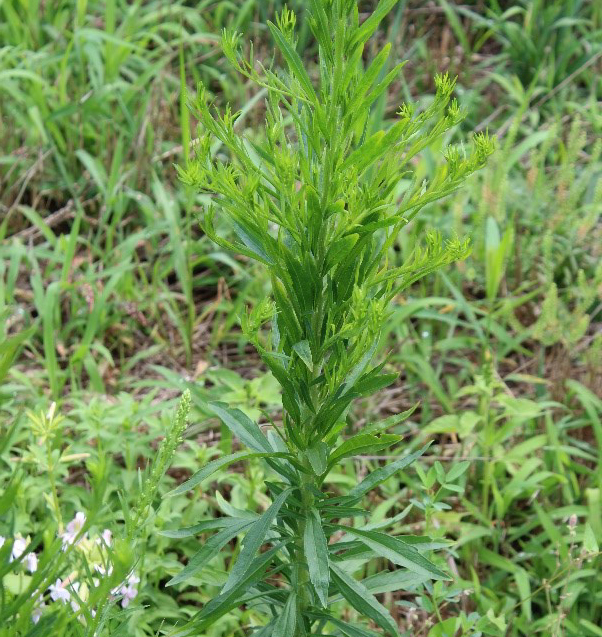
[58,591]
[73,529]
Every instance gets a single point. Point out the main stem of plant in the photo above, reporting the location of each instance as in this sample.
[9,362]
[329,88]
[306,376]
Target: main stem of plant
[301,568]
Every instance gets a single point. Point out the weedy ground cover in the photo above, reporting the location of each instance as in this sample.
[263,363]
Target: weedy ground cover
[101,254]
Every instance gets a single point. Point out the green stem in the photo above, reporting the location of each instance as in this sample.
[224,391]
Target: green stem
[55,496]
[301,567]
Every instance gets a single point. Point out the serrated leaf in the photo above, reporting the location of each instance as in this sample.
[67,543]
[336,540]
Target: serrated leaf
[253,541]
[208,551]
[286,622]
[362,600]
[316,551]
[383,473]
[397,551]
[242,427]
[304,352]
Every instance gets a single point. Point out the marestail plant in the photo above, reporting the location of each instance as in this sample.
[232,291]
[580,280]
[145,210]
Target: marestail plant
[320,201]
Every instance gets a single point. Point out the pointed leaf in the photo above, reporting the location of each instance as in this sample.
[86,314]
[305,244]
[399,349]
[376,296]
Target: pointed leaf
[242,427]
[285,624]
[362,600]
[294,61]
[208,551]
[202,527]
[253,541]
[366,30]
[304,352]
[380,475]
[397,551]
[316,551]
[362,443]
[213,466]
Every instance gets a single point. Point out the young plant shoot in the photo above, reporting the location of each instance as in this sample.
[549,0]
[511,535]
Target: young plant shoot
[320,202]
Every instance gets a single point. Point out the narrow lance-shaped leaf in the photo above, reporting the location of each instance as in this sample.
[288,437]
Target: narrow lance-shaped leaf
[316,552]
[397,551]
[362,600]
[208,551]
[253,540]
[286,622]
[242,427]
[383,473]
[210,468]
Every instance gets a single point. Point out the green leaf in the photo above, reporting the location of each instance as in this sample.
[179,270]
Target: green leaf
[457,470]
[318,457]
[362,443]
[372,384]
[350,630]
[397,551]
[228,600]
[316,551]
[203,527]
[362,600]
[242,427]
[208,551]
[366,30]
[383,473]
[391,421]
[213,466]
[304,352]
[253,541]
[590,543]
[286,622]
[294,61]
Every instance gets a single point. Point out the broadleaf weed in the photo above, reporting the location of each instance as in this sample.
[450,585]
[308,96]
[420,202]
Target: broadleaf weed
[319,203]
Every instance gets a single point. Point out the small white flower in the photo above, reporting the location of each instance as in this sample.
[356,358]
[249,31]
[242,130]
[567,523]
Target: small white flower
[105,538]
[104,571]
[2,540]
[38,610]
[58,591]
[129,593]
[19,546]
[74,602]
[128,590]
[31,562]
[73,529]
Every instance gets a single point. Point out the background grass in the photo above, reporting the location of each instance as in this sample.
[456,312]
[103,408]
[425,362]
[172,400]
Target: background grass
[112,301]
